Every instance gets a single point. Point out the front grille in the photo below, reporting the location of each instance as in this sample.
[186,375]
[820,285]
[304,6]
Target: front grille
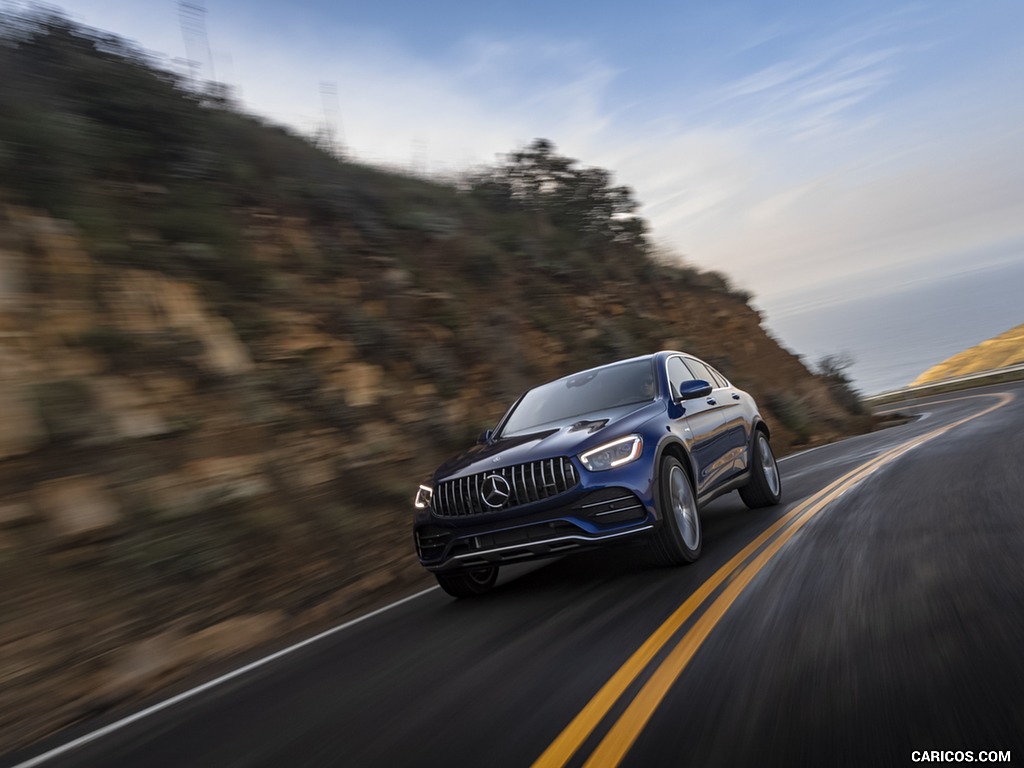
[526,483]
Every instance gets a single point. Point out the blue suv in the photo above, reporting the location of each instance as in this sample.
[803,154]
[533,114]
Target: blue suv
[629,449]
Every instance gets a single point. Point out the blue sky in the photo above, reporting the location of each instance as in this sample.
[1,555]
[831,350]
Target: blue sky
[816,152]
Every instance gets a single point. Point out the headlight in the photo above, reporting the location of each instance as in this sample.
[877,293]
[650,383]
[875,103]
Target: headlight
[613,454]
[423,496]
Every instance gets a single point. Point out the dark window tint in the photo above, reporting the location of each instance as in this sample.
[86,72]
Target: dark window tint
[701,371]
[719,378]
[677,374]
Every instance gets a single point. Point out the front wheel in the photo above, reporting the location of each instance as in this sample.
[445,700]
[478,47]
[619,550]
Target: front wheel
[678,540]
[468,583]
[765,486]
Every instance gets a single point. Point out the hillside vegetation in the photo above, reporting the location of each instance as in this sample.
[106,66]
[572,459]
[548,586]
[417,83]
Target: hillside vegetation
[998,352]
[227,357]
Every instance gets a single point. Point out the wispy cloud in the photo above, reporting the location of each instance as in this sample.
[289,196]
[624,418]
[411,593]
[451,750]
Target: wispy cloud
[805,95]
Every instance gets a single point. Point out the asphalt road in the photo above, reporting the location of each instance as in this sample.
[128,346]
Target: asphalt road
[876,613]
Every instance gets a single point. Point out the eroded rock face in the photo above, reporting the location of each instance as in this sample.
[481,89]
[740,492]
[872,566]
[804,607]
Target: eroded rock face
[150,303]
[13,281]
[232,635]
[359,383]
[23,430]
[15,513]
[131,411]
[138,668]
[77,508]
[141,667]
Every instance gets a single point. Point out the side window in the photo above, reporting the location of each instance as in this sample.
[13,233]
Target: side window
[677,374]
[701,371]
[719,378]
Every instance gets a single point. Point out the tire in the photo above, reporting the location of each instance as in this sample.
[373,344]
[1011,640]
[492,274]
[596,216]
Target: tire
[765,486]
[678,540]
[468,583]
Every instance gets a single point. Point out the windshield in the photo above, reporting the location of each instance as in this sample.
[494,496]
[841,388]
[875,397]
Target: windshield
[583,393]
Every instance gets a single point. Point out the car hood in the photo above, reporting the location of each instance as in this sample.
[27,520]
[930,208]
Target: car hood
[560,438]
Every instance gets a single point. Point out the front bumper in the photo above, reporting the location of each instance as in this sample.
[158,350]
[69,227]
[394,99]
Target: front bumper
[591,518]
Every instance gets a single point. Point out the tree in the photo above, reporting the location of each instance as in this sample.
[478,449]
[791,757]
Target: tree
[583,199]
[833,369]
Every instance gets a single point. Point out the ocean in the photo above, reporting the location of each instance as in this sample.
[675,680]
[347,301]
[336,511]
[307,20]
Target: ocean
[897,334]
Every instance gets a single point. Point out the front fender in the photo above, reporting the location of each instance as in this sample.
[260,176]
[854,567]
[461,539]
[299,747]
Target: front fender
[672,445]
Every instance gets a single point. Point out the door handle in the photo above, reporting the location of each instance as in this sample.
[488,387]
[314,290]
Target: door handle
[712,401]
[735,396]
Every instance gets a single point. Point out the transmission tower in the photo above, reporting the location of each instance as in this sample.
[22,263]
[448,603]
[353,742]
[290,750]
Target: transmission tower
[192,16]
[333,131]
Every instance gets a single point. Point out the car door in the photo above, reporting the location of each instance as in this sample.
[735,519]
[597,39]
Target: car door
[729,403]
[700,423]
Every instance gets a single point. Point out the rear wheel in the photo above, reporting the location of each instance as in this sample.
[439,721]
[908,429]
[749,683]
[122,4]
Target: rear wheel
[678,540]
[468,583]
[765,486]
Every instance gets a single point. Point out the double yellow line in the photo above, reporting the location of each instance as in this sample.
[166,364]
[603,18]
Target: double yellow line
[736,575]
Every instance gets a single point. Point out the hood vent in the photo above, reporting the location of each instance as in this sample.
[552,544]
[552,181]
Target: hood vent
[593,426]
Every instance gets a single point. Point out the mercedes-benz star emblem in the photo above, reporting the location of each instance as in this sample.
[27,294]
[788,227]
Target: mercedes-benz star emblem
[495,491]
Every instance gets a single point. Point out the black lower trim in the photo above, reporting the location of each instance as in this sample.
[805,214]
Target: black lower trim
[737,482]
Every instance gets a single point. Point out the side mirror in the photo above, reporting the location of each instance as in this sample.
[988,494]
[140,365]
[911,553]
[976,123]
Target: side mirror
[691,390]
[485,436]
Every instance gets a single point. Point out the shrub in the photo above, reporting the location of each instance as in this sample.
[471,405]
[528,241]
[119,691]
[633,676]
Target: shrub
[791,413]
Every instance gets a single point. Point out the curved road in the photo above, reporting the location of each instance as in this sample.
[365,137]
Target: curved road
[877,613]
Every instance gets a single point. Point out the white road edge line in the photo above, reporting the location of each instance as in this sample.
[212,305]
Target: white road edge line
[801,453]
[101,732]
